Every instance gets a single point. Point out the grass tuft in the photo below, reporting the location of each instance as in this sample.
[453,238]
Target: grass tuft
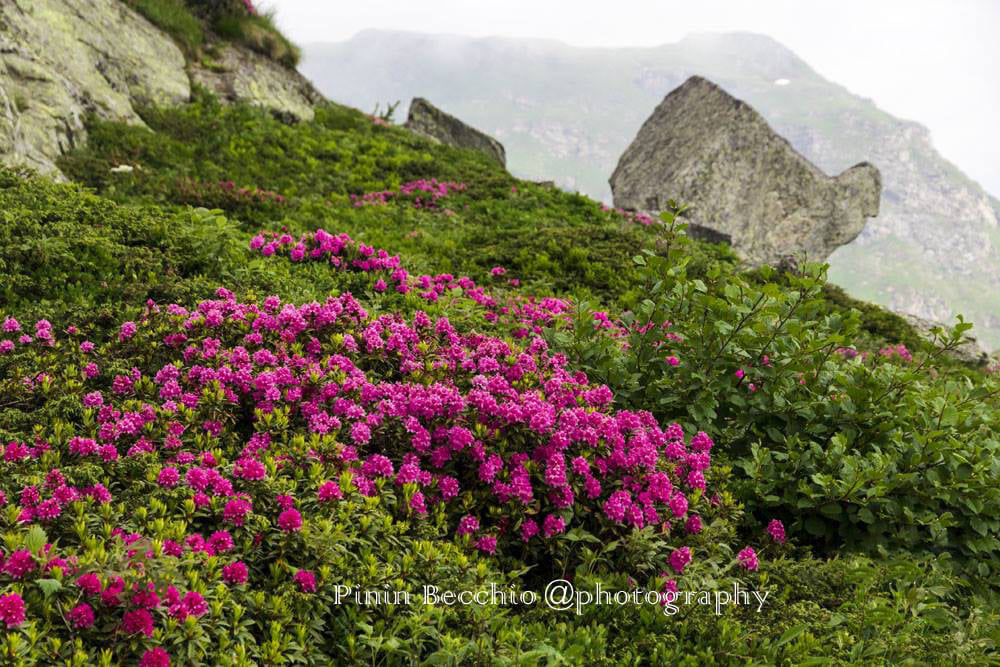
[174,18]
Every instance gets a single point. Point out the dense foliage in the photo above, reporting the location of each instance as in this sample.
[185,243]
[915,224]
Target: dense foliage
[272,361]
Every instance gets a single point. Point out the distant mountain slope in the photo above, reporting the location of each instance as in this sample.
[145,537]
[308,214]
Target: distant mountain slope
[567,113]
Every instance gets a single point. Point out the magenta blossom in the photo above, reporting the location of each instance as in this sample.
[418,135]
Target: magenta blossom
[306,581]
[680,558]
[12,610]
[748,559]
[777,531]
[155,657]
[290,520]
[81,616]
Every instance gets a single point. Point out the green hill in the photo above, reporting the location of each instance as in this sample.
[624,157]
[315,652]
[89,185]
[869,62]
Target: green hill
[262,383]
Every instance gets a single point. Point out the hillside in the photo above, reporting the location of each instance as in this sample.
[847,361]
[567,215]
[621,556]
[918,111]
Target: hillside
[265,380]
[568,113]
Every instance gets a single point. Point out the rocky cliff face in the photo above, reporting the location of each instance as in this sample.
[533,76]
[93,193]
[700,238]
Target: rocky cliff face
[426,119]
[739,179]
[567,113]
[60,60]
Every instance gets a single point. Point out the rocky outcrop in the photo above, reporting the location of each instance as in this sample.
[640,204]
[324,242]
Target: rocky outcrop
[740,179]
[240,74]
[60,60]
[969,351]
[429,121]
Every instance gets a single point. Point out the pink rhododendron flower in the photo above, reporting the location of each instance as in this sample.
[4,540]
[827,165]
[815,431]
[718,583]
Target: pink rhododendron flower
[748,559]
[168,477]
[329,492]
[235,573]
[81,616]
[680,558]
[138,621]
[12,611]
[155,657]
[777,531]
[290,520]
[468,525]
[89,583]
[306,581]
[553,525]
[19,564]
[127,330]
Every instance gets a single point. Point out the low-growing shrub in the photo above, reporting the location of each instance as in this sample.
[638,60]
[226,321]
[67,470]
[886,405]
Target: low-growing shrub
[880,451]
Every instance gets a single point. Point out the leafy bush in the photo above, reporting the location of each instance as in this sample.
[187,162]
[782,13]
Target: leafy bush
[226,429]
[886,452]
[63,248]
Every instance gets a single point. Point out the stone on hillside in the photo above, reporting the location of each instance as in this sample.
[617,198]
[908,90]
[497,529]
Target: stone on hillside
[740,180]
[429,121]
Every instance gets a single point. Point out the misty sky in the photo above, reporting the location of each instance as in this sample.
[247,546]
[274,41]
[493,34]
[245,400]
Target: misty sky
[936,62]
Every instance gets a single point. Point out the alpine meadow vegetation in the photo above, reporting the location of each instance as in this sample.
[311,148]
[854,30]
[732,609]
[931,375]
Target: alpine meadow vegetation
[273,364]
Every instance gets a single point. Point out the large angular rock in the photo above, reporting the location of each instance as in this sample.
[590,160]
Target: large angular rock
[426,119]
[740,180]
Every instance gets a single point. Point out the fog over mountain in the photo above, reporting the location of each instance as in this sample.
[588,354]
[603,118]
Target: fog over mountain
[567,113]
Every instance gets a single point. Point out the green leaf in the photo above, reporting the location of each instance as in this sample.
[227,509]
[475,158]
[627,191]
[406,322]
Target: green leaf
[815,526]
[36,539]
[791,634]
[49,586]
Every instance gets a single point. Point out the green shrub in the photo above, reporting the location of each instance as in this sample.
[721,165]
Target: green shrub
[881,453]
[884,467]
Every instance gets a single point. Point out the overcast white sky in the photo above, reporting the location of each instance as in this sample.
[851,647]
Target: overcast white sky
[933,61]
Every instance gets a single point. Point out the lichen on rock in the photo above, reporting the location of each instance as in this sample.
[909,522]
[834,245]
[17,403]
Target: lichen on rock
[240,74]
[61,60]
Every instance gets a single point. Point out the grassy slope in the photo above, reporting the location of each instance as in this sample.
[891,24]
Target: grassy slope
[143,233]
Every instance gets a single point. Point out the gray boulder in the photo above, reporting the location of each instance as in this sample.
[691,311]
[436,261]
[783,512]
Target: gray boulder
[740,180]
[429,121]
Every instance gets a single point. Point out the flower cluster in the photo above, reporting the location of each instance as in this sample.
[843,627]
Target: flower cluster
[422,194]
[524,315]
[465,420]
[254,194]
[896,351]
[631,216]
